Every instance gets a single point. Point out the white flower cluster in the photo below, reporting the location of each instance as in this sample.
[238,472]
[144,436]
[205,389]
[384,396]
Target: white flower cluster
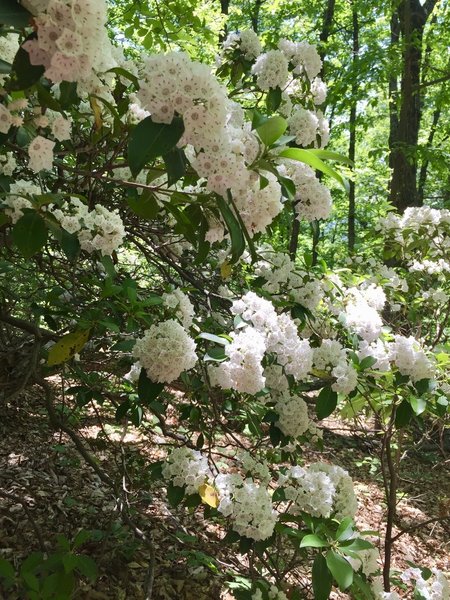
[8,118]
[271,70]
[17,200]
[186,467]
[247,41]
[179,301]
[40,152]
[248,504]
[280,273]
[273,594]
[7,164]
[293,418]
[428,225]
[72,42]
[367,561]
[410,358]
[361,311]
[307,126]
[378,349]
[313,199]
[437,587]
[256,468]
[98,229]
[268,333]
[258,207]
[172,83]
[331,355]
[320,490]
[244,371]
[303,56]
[165,351]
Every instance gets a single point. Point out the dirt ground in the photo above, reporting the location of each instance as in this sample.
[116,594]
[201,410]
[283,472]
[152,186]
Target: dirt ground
[47,489]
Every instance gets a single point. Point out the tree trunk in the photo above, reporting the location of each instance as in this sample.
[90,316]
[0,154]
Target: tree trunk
[412,17]
[352,124]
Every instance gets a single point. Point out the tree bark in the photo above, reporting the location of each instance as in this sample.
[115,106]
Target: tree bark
[411,17]
[352,124]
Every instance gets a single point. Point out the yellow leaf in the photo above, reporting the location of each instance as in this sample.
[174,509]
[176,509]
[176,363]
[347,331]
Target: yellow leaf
[66,348]
[97,113]
[225,270]
[209,495]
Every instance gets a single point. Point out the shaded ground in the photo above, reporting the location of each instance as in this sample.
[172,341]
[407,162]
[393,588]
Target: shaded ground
[41,469]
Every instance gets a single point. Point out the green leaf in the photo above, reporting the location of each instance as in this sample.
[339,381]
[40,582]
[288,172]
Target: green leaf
[175,494]
[122,409]
[211,337]
[326,403]
[328,154]
[144,205]
[12,13]
[313,541]
[273,99]
[355,545]
[345,530]
[418,405]
[176,163]
[70,245]
[321,579]
[272,129]
[234,229]
[24,73]
[30,234]
[367,362]
[275,435]
[87,567]
[67,94]
[404,414]
[147,389]
[81,538]
[5,67]
[149,140]
[309,158]
[6,570]
[341,570]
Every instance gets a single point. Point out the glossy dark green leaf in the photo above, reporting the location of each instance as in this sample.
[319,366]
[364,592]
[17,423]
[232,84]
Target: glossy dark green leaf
[234,229]
[404,414]
[321,579]
[144,205]
[30,234]
[12,13]
[5,67]
[176,163]
[148,390]
[149,140]
[326,403]
[273,99]
[341,569]
[24,73]
[175,494]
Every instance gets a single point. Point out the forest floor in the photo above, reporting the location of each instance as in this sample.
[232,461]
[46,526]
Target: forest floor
[47,489]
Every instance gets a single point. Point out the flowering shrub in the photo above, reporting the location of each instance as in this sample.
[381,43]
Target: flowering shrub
[159,190]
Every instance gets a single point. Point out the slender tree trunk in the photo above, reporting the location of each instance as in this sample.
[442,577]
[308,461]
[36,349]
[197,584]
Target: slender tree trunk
[352,141]
[224,7]
[327,22]
[412,17]
[424,167]
[255,15]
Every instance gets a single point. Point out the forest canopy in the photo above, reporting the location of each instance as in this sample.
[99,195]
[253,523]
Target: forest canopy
[224,299]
